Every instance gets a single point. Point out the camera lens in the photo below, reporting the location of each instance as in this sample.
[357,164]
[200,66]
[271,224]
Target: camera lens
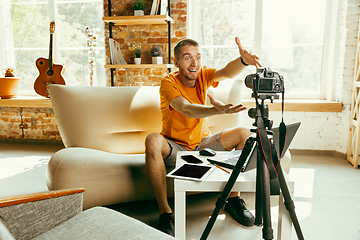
[252,113]
[249,80]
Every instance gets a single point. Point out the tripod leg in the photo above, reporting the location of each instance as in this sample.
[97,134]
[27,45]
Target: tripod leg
[220,203]
[265,190]
[289,204]
[258,195]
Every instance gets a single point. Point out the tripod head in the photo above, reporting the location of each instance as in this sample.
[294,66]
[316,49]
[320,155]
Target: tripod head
[263,109]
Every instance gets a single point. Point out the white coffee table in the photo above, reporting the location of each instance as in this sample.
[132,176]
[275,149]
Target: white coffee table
[216,181]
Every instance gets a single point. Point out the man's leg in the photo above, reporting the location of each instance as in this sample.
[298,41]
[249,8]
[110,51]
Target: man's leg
[156,150]
[230,139]
[234,138]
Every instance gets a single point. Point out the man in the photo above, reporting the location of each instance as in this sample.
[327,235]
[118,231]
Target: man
[184,123]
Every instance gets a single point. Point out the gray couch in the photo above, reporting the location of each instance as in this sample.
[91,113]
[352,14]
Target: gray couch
[59,215]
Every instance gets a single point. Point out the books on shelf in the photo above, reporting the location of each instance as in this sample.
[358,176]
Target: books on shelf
[159,7]
[115,53]
[154,7]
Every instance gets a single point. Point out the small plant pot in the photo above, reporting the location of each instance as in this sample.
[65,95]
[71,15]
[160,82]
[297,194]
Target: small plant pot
[137,60]
[9,87]
[157,60]
[138,12]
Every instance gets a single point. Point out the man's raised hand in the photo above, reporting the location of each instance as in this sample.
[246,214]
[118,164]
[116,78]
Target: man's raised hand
[248,57]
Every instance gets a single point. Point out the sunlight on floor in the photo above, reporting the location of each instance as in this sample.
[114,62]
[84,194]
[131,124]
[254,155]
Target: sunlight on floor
[304,189]
[12,166]
[304,182]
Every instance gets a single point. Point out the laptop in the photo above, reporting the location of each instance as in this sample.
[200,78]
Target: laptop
[229,159]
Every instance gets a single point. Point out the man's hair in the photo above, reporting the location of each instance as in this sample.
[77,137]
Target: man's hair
[181,43]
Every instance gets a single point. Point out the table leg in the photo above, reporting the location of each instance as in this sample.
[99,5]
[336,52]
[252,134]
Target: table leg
[284,222]
[180,215]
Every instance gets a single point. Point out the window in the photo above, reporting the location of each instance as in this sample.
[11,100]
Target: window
[291,37]
[27,36]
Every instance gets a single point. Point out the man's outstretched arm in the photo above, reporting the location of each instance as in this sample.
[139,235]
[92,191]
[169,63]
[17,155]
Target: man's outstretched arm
[190,110]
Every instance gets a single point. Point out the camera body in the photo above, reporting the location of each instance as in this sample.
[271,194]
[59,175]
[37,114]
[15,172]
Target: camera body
[265,83]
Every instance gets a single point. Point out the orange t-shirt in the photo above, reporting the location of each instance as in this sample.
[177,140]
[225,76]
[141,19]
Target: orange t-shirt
[176,126]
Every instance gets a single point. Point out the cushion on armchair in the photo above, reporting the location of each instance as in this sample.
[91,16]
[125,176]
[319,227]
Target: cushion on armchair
[27,220]
[103,223]
[58,215]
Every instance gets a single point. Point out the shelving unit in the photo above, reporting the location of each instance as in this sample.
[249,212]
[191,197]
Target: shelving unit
[354,132]
[139,20]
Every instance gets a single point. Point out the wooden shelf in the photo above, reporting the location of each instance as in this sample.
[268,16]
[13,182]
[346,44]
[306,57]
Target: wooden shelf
[138,20]
[139,66]
[26,101]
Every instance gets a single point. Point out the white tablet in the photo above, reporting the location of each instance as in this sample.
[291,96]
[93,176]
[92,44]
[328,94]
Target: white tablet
[188,171]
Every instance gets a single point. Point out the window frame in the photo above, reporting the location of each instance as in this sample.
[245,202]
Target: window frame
[53,16]
[330,47]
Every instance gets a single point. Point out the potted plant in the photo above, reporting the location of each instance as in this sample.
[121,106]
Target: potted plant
[9,84]
[156,55]
[137,51]
[139,7]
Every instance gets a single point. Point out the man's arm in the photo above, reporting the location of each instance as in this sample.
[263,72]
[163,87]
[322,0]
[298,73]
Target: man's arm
[183,106]
[235,67]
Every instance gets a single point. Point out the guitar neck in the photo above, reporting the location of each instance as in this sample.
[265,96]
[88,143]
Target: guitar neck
[50,51]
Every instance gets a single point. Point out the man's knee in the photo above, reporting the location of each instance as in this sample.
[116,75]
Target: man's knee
[235,137]
[155,144]
[239,132]
[153,141]
[244,132]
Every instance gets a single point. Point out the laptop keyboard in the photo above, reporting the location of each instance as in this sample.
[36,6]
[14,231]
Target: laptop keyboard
[232,160]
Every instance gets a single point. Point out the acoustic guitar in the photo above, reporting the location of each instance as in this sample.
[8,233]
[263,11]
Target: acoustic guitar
[50,73]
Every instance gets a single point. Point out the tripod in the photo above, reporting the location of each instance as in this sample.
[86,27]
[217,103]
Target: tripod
[263,189]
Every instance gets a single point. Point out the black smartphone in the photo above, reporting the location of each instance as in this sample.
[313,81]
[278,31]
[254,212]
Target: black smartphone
[191,159]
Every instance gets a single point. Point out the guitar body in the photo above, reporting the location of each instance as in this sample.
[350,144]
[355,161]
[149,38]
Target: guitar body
[47,76]
[49,73]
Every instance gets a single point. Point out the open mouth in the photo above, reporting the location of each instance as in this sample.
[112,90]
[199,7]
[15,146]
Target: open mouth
[192,70]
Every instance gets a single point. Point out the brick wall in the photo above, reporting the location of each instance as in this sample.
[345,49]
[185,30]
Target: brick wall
[28,123]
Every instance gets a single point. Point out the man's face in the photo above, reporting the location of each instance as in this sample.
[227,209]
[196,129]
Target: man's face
[189,62]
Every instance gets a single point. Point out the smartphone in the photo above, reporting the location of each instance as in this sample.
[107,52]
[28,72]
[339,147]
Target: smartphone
[191,159]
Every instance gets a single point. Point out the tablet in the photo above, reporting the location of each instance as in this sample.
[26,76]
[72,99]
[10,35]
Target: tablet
[189,171]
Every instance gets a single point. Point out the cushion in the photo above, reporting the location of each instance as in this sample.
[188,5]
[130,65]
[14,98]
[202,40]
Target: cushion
[27,220]
[103,223]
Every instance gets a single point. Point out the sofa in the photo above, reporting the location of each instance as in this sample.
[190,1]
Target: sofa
[59,215]
[104,129]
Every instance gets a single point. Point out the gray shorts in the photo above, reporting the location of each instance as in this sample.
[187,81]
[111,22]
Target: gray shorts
[212,142]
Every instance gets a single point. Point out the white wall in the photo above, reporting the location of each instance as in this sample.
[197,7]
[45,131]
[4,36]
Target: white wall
[328,131]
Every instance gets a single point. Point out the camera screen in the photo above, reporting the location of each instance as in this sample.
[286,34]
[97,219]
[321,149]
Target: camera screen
[265,84]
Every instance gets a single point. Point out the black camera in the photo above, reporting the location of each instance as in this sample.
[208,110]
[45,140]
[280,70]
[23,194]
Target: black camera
[265,83]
